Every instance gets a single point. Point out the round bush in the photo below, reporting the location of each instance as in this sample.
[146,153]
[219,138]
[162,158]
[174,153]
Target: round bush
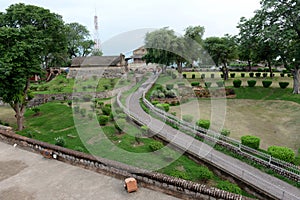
[250,141]
[225,132]
[251,74]
[257,74]
[103,119]
[208,84]
[106,110]
[60,141]
[161,95]
[195,84]
[232,75]
[156,145]
[283,85]
[187,118]
[242,75]
[267,83]
[237,83]
[204,123]
[251,83]
[282,153]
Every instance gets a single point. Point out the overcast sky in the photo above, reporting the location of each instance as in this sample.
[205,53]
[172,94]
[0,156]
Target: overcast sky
[118,17]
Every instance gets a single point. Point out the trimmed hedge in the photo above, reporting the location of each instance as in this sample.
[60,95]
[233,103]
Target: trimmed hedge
[225,132]
[282,153]
[232,75]
[237,83]
[251,83]
[250,141]
[163,106]
[195,83]
[103,119]
[283,85]
[257,74]
[251,74]
[267,83]
[204,123]
[242,75]
[156,145]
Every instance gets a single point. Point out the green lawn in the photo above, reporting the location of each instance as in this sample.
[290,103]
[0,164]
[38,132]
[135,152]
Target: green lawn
[56,119]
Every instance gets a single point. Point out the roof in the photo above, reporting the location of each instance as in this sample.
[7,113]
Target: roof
[95,61]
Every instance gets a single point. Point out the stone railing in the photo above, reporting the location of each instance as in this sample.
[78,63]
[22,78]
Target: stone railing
[175,186]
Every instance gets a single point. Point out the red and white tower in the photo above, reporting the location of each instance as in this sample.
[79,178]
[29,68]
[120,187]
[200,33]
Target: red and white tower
[97,46]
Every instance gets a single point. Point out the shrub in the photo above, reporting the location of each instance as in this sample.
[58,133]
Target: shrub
[202,173]
[208,84]
[161,95]
[267,83]
[220,83]
[282,153]
[60,141]
[225,132]
[103,119]
[53,98]
[156,145]
[184,75]
[251,74]
[282,74]
[105,86]
[170,86]
[265,75]
[159,87]
[170,94]
[251,83]
[70,103]
[212,75]
[250,141]
[83,112]
[202,76]
[120,124]
[193,76]
[260,69]
[179,174]
[242,75]
[237,83]
[195,83]
[163,106]
[101,103]
[257,74]
[155,102]
[230,187]
[106,110]
[36,109]
[204,123]
[283,85]
[232,75]
[187,118]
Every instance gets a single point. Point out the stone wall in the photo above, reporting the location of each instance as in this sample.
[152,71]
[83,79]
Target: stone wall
[175,186]
[103,72]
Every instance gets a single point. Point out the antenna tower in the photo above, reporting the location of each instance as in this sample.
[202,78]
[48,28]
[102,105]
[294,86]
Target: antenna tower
[97,45]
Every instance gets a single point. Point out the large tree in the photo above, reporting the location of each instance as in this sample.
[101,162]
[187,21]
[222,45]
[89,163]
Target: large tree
[222,51]
[79,42]
[29,38]
[49,26]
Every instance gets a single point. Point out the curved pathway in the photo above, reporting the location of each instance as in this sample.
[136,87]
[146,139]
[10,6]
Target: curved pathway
[270,185]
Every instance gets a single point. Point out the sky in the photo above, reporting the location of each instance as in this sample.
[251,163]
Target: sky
[128,21]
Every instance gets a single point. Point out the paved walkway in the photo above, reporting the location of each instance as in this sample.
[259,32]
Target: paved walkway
[29,176]
[269,184]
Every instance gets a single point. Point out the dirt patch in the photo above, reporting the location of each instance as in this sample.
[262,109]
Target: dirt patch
[14,193]
[10,168]
[275,122]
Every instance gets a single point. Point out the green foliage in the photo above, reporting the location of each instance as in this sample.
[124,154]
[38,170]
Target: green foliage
[251,74]
[237,83]
[179,174]
[103,119]
[267,83]
[195,84]
[79,148]
[193,76]
[251,83]
[156,145]
[60,141]
[163,106]
[257,74]
[70,103]
[204,123]
[187,118]
[145,129]
[170,94]
[106,110]
[250,141]
[283,85]
[282,153]
[83,112]
[225,132]
[232,75]
[169,86]
[120,124]
[36,109]
[242,75]
[208,84]
[230,187]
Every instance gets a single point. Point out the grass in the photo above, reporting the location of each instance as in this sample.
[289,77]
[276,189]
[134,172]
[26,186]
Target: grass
[56,119]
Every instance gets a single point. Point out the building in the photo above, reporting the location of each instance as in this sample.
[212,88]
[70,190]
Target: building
[138,55]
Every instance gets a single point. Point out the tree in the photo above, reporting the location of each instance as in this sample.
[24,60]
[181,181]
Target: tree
[97,52]
[222,50]
[49,26]
[79,43]
[29,37]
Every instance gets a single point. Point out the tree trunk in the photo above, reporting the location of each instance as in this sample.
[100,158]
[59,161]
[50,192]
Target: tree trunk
[179,68]
[249,65]
[20,121]
[296,78]
[225,72]
[270,69]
